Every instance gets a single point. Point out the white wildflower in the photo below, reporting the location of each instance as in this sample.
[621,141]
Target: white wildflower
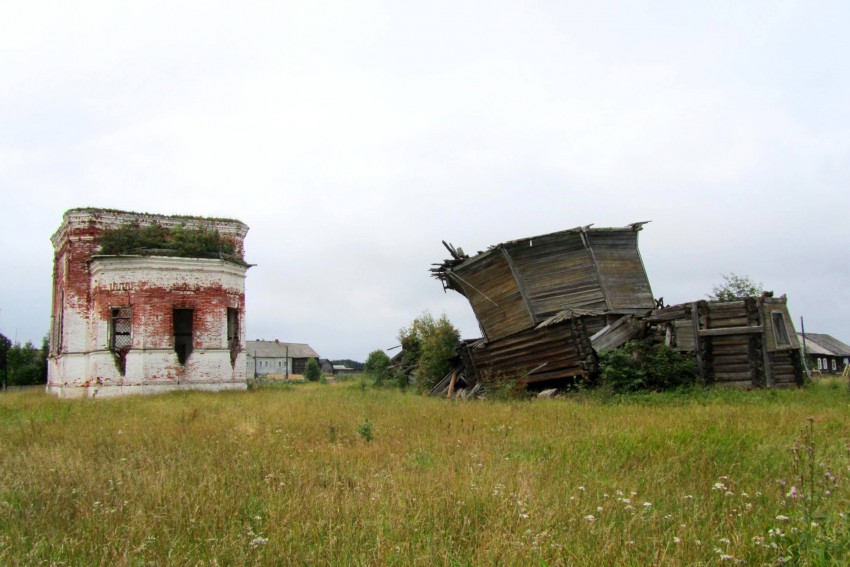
[775,532]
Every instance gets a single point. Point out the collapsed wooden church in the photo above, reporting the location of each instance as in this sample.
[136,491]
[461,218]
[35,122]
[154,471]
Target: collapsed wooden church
[547,305]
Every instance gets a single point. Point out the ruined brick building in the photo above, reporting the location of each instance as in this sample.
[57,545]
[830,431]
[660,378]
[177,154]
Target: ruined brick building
[146,303]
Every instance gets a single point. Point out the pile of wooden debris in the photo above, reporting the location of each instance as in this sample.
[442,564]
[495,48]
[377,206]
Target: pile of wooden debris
[547,305]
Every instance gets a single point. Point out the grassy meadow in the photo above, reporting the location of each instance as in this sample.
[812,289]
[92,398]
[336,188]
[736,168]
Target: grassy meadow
[345,474]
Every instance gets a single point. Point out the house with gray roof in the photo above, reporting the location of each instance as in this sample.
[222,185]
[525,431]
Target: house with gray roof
[825,352]
[278,360]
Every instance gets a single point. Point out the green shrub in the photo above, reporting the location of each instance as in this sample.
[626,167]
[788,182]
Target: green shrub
[377,367]
[364,430]
[429,347]
[735,287]
[644,365]
[500,387]
[619,371]
[312,371]
[133,238]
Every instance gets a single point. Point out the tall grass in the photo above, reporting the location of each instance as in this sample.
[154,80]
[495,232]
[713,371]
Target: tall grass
[290,476]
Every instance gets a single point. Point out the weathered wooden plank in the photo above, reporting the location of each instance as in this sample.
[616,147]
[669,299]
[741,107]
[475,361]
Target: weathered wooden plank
[616,334]
[697,350]
[684,333]
[722,305]
[736,341]
[718,323]
[743,376]
[727,367]
[521,286]
[572,373]
[731,358]
[670,314]
[495,298]
[729,331]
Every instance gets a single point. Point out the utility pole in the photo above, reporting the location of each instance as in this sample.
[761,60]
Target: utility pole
[805,362]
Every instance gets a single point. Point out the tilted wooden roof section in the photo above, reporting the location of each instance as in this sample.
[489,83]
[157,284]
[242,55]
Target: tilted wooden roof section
[518,284]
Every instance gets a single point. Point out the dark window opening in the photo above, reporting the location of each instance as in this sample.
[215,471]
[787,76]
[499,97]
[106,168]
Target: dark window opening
[233,333]
[779,330]
[56,338]
[120,336]
[121,326]
[183,334]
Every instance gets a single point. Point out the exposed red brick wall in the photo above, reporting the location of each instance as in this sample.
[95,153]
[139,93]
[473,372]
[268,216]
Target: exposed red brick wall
[82,304]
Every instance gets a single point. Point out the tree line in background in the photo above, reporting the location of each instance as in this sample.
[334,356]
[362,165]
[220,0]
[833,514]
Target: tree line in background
[22,364]
[348,363]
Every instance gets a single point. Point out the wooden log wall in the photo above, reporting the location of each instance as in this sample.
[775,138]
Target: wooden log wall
[557,352]
[732,342]
[732,356]
[787,367]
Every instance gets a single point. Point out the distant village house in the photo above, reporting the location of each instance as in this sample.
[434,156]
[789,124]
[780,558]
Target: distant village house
[278,360]
[825,353]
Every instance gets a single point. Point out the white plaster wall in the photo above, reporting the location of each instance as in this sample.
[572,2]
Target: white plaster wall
[87,363]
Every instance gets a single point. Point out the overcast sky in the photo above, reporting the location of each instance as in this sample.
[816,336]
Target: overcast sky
[352,137]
